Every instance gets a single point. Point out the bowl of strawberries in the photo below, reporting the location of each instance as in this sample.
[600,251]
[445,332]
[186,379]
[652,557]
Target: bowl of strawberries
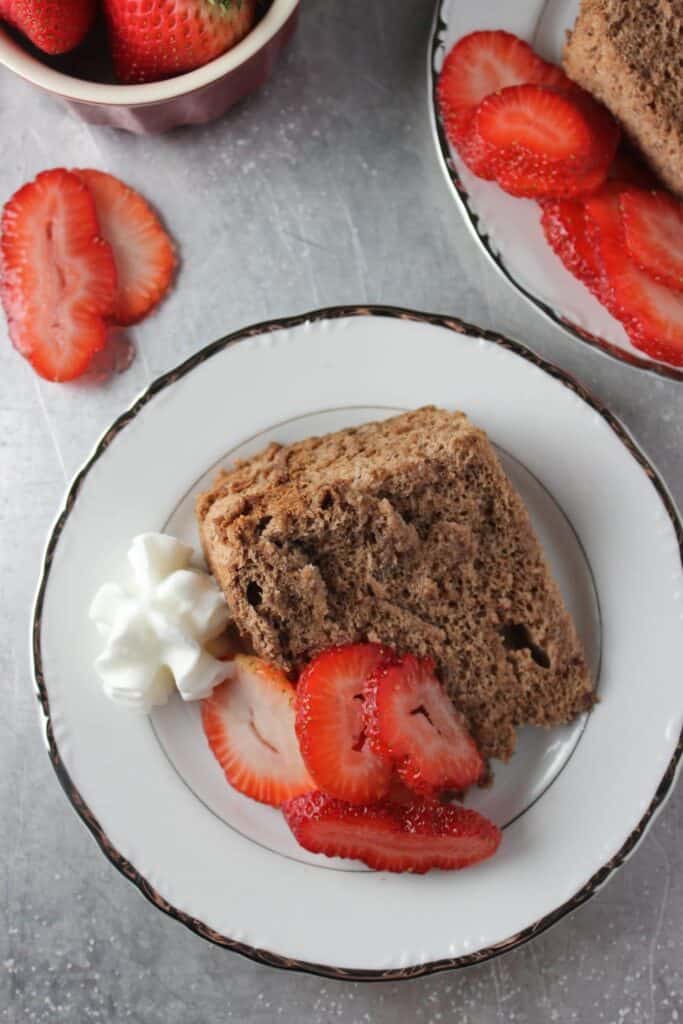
[145,66]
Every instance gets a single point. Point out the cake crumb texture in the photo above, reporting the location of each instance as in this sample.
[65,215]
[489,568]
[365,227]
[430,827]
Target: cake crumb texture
[405,532]
[630,56]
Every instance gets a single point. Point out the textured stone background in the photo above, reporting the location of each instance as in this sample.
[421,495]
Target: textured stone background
[323,189]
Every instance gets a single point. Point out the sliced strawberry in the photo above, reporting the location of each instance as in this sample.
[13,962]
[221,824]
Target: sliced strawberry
[537,141]
[605,130]
[525,173]
[410,720]
[143,251]
[478,155]
[573,236]
[58,277]
[564,228]
[564,225]
[330,727]
[651,313]
[653,228]
[483,63]
[399,793]
[532,125]
[603,229]
[547,183]
[415,837]
[249,724]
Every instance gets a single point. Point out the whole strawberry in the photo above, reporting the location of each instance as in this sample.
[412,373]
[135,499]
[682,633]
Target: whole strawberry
[54,26]
[153,39]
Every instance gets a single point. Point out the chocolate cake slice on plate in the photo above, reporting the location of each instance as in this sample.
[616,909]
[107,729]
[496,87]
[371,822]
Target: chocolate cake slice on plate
[405,532]
[630,56]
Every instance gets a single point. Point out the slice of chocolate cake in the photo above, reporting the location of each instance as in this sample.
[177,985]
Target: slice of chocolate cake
[409,533]
[630,56]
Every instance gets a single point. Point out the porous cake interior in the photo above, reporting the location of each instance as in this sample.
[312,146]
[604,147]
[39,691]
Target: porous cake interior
[405,532]
[630,56]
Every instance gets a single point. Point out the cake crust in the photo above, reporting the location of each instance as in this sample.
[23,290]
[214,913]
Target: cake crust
[405,532]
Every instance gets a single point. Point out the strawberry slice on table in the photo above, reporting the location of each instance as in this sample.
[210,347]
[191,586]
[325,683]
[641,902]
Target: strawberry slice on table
[58,278]
[249,724]
[480,64]
[651,312]
[415,837]
[411,721]
[653,228]
[54,26]
[143,252]
[330,725]
[153,39]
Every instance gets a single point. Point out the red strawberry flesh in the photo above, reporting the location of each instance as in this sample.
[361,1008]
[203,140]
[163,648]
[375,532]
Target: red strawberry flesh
[143,251]
[58,276]
[539,142]
[535,121]
[411,721]
[651,312]
[249,725]
[415,837]
[574,236]
[548,184]
[564,225]
[480,64]
[653,229]
[605,131]
[330,725]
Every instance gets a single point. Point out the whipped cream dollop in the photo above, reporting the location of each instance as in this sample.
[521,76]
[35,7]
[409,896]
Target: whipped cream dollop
[157,627]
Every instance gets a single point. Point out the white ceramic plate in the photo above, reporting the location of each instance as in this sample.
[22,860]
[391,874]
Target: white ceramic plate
[508,229]
[573,801]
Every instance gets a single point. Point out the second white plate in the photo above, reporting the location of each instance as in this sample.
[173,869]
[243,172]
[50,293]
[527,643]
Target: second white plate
[508,229]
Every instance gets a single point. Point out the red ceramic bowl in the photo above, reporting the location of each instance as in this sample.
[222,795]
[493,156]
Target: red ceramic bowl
[193,98]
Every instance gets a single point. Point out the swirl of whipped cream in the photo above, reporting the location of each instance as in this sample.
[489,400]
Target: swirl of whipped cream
[156,628]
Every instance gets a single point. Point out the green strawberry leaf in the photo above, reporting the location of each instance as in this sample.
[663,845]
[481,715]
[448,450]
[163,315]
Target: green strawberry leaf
[227,4]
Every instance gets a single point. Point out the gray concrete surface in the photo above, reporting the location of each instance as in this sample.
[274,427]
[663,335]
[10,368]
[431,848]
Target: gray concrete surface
[323,189]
